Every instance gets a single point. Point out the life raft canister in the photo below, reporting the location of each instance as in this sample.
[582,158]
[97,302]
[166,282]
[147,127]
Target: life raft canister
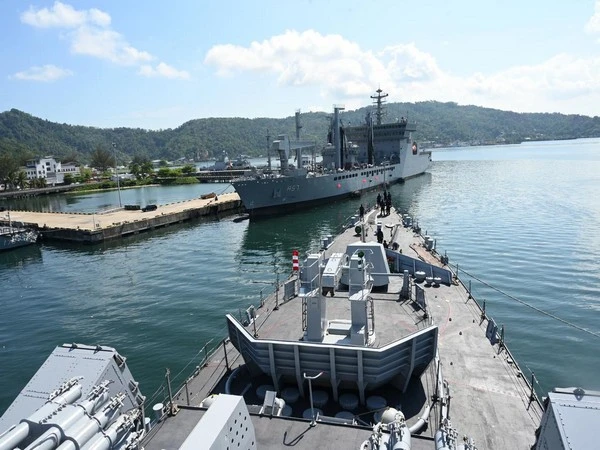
[414,148]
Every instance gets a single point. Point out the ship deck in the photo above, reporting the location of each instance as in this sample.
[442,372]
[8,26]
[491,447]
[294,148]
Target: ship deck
[490,397]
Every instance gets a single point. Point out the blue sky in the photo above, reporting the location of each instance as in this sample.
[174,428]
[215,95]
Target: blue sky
[154,65]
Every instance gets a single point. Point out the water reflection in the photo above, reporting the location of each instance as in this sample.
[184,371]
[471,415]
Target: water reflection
[19,257]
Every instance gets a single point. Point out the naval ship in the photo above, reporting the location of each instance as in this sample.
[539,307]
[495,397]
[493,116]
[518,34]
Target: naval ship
[364,346]
[355,159]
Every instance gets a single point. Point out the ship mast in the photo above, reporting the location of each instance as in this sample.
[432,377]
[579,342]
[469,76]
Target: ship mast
[298,125]
[268,151]
[379,101]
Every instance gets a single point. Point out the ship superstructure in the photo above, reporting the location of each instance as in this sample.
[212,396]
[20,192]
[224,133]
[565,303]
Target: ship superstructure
[355,159]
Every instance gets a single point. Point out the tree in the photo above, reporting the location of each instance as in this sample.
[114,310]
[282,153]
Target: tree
[11,180]
[85,173]
[8,165]
[68,179]
[135,169]
[102,159]
[38,183]
[73,157]
[21,179]
[165,172]
[147,168]
[188,169]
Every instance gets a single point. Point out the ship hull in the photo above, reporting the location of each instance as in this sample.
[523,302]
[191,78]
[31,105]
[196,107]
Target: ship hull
[267,196]
[16,239]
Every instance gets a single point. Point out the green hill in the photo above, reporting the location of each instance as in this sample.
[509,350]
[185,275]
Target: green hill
[23,135]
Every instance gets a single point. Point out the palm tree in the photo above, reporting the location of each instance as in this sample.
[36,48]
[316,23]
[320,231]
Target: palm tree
[21,179]
[11,180]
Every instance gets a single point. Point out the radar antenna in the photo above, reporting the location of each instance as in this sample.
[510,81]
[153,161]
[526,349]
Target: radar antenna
[379,101]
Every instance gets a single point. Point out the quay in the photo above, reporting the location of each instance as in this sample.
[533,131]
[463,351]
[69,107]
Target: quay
[492,400]
[93,228]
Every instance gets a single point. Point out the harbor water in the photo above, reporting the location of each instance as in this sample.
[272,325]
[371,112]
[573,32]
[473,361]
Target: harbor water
[525,219]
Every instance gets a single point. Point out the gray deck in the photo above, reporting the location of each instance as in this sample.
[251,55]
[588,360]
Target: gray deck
[273,432]
[489,396]
[288,327]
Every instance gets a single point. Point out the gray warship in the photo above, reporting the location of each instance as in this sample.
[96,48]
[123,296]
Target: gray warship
[355,159]
[362,347]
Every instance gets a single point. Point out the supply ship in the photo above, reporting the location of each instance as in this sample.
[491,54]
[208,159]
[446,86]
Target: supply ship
[364,346]
[355,159]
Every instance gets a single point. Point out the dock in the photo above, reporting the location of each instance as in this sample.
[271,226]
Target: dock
[492,400]
[93,228]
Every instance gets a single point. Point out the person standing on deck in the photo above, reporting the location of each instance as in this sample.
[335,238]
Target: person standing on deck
[361,212]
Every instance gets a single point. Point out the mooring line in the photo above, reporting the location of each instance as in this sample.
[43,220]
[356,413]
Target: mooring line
[541,311]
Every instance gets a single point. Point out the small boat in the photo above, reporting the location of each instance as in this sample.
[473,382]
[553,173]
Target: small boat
[14,237]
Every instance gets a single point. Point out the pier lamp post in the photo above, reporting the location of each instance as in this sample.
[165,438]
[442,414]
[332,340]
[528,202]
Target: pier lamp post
[114,146]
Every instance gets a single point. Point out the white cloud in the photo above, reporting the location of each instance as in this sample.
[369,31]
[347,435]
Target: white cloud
[107,44]
[89,33]
[562,83]
[346,73]
[64,16]
[163,70]
[593,25]
[45,73]
[330,61]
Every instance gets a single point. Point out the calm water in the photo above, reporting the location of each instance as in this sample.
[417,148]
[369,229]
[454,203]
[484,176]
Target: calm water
[525,219]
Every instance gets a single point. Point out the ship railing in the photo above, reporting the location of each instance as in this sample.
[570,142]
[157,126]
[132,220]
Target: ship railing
[209,350]
[535,390]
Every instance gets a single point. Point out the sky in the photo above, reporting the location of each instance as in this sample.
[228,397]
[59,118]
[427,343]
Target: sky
[155,64]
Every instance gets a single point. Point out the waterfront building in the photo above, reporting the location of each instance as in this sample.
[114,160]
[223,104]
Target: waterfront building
[50,169]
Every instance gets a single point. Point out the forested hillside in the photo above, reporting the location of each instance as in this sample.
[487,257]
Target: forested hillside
[23,135]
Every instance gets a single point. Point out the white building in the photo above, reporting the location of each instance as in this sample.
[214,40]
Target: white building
[50,169]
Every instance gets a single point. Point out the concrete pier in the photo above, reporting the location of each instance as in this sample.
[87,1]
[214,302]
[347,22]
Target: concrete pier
[92,228]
